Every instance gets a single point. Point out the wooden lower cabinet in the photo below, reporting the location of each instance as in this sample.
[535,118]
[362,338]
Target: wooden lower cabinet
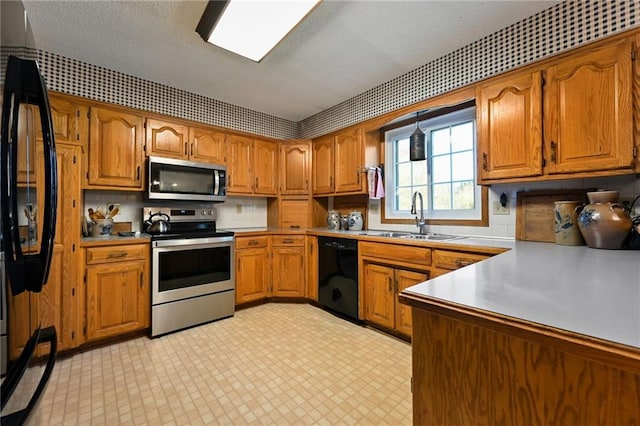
[252,269]
[381,288]
[288,266]
[117,290]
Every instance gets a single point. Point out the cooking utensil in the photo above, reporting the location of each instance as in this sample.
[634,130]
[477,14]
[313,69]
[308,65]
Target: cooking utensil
[92,214]
[157,226]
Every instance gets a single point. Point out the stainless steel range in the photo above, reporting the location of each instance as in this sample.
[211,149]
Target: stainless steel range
[192,269]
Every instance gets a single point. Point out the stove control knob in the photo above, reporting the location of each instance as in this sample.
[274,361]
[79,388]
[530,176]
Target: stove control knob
[203,212]
[210,212]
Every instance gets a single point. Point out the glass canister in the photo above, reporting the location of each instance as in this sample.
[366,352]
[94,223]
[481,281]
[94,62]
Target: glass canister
[344,222]
[333,220]
[566,222]
[356,221]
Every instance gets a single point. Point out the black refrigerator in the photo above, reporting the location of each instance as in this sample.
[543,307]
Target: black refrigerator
[28,185]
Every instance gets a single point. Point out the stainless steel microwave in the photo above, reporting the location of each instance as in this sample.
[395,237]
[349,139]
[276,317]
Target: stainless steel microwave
[171,179]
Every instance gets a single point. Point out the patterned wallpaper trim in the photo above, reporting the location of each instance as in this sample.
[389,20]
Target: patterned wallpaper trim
[564,26]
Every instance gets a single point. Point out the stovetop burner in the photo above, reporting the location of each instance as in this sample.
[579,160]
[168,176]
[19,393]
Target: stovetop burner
[187,223]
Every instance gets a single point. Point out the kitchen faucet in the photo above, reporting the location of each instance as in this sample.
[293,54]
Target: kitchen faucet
[420,223]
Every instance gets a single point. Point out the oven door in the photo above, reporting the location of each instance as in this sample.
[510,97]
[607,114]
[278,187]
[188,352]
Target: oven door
[187,268]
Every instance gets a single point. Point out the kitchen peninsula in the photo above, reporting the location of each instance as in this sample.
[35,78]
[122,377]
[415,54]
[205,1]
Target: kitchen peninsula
[542,334]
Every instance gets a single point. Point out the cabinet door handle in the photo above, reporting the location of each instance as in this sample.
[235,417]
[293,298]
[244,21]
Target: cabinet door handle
[484,161]
[115,254]
[331,182]
[390,286]
[186,151]
[138,173]
[463,262]
[256,187]
[554,151]
[192,148]
[141,279]
[306,184]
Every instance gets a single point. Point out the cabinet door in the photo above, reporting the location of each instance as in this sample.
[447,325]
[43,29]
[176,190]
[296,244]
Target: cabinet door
[510,121]
[323,166]
[117,299]
[69,120]
[265,159]
[295,163]
[167,139]
[348,161]
[288,277]
[115,149]
[588,111]
[58,302]
[405,279]
[379,295]
[207,145]
[239,163]
[312,268]
[252,274]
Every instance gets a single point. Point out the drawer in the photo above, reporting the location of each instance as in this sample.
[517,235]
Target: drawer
[287,240]
[454,259]
[399,253]
[251,242]
[116,253]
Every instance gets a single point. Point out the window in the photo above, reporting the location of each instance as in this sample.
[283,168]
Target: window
[446,179]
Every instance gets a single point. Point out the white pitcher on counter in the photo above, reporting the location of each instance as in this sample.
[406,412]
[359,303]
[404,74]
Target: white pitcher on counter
[356,221]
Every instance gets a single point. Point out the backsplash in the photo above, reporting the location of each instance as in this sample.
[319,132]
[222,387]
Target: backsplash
[235,212]
[504,226]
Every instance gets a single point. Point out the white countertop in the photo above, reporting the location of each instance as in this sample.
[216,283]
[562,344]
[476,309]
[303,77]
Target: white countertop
[578,289]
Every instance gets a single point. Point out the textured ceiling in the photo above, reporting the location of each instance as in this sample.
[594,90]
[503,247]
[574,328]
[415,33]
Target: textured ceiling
[340,50]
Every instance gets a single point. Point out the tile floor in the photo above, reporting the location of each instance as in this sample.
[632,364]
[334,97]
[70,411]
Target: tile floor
[274,364]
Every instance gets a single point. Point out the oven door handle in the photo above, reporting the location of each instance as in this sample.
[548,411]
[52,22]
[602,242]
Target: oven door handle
[192,244]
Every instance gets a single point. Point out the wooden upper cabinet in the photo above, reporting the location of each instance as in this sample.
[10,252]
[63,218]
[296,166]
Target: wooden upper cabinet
[207,145]
[239,165]
[115,149]
[295,166]
[349,161]
[70,120]
[166,139]
[265,160]
[323,166]
[589,112]
[510,127]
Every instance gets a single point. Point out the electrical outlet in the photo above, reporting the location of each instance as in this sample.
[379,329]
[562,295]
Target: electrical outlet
[238,208]
[498,209]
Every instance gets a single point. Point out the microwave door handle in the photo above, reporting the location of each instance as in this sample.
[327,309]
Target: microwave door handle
[24,84]
[216,177]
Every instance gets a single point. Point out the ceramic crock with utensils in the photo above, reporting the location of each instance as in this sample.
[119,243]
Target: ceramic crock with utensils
[604,223]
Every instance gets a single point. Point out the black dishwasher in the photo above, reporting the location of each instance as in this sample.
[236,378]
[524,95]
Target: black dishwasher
[338,276]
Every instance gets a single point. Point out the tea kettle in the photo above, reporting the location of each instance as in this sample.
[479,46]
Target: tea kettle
[158,226]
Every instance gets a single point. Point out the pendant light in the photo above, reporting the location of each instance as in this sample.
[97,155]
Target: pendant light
[417,143]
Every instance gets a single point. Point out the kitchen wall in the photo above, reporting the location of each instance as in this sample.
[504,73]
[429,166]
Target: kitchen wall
[503,226]
[565,26]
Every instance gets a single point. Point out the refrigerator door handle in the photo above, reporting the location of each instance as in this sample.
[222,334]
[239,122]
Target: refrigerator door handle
[25,85]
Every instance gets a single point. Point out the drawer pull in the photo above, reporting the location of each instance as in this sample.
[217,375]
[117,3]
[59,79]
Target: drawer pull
[113,254]
[287,241]
[463,262]
[254,242]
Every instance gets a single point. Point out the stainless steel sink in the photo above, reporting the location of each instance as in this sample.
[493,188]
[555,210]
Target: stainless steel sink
[412,236]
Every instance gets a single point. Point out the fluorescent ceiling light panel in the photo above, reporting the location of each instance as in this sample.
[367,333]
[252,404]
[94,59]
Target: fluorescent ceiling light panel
[252,28]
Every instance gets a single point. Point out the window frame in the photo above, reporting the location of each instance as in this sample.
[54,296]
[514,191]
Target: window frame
[479,216]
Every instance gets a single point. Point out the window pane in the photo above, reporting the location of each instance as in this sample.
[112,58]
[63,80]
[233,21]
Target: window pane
[404,174]
[440,141]
[462,166]
[442,196]
[441,169]
[403,199]
[462,137]
[463,194]
[419,172]
[403,150]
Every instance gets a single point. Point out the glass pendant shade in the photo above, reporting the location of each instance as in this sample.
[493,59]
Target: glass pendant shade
[417,145]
